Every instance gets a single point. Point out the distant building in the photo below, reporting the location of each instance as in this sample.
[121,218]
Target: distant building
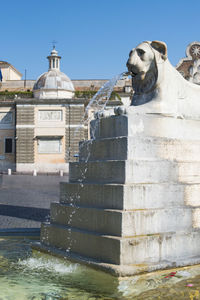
[9,72]
[43,133]
[47,134]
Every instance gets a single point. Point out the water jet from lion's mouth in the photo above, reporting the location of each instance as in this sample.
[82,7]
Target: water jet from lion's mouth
[126,74]
[100,99]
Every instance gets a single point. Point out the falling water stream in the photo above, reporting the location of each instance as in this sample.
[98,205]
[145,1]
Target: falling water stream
[97,105]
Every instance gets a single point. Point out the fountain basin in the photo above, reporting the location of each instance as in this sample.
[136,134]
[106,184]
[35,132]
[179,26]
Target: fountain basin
[31,275]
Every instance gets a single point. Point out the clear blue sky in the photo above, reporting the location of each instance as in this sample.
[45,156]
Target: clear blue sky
[94,36]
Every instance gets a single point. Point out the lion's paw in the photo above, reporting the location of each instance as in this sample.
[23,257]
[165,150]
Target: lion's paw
[120,110]
[103,113]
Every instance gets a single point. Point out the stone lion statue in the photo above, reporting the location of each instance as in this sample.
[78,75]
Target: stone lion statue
[159,88]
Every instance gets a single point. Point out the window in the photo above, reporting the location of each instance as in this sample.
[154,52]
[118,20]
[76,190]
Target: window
[8,145]
[49,146]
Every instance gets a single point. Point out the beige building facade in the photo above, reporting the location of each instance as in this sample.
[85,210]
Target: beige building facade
[47,134]
[7,136]
[42,134]
[9,72]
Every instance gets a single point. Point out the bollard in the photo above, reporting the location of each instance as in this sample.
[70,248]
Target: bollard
[61,172]
[9,172]
[34,172]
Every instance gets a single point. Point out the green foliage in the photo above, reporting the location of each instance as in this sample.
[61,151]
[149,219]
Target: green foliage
[20,94]
[115,95]
[85,94]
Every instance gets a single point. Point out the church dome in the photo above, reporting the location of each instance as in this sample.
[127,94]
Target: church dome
[53,84]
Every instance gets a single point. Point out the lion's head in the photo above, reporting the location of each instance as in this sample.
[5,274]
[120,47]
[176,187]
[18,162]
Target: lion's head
[143,65]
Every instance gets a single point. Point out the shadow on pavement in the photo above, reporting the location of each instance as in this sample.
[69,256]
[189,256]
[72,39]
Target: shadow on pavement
[23,212]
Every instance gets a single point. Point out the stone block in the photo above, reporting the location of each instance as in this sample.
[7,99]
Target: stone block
[165,247]
[130,171]
[137,148]
[93,195]
[101,221]
[101,248]
[157,248]
[188,172]
[122,223]
[191,195]
[123,172]
[104,149]
[107,249]
[146,125]
[131,196]
[180,245]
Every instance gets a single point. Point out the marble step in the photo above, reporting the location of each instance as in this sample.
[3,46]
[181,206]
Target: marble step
[154,125]
[130,196]
[131,171]
[131,250]
[122,223]
[149,148]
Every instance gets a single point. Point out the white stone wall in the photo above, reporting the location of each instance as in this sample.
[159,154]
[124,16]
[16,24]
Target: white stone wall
[53,94]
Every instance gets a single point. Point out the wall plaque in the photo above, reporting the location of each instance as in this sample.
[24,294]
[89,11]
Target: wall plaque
[50,115]
[49,146]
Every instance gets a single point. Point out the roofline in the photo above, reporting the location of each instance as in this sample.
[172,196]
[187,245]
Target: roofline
[5,62]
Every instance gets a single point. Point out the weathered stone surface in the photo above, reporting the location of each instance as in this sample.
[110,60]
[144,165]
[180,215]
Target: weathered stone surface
[146,125]
[124,172]
[84,243]
[137,148]
[122,223]
[169,248]
[131,171]
[130,196]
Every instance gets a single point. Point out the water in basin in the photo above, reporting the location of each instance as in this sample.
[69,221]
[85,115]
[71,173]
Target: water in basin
[27,275]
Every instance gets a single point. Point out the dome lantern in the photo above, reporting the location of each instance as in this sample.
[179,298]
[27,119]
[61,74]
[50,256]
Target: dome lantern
[54,60]
[53,84]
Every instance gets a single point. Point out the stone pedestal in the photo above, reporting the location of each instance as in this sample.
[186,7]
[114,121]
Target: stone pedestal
[132,203]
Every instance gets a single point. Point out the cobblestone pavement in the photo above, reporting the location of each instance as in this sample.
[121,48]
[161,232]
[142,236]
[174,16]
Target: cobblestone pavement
[25,199]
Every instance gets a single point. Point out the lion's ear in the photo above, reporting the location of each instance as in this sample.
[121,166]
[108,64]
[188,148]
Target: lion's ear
[160,47]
